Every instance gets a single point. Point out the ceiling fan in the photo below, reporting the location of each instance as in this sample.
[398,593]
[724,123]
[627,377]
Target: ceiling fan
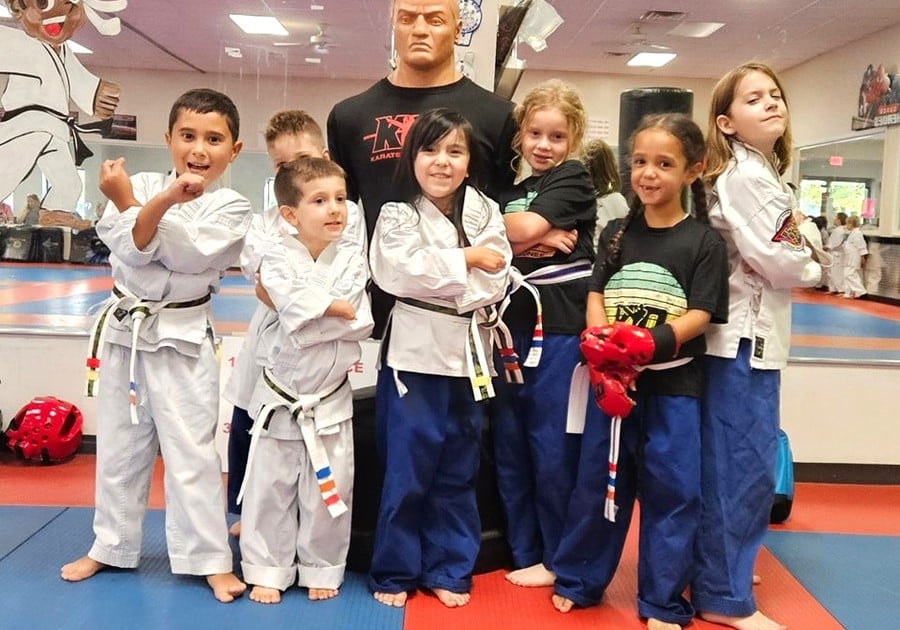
[319,42]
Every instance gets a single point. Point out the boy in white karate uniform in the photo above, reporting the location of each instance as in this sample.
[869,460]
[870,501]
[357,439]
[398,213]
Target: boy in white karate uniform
[171,238]
[298,483]
[290,134]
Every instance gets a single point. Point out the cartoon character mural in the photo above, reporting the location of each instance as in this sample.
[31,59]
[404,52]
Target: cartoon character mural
[42,75]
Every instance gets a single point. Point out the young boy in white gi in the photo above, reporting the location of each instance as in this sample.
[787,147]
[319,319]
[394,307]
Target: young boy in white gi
[171,237]
[289,134]
[299,477]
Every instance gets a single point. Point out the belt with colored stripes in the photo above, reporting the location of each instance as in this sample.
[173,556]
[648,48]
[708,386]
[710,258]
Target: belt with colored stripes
[302,409]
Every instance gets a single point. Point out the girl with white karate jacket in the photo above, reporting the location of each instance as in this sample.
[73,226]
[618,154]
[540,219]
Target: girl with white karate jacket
[748,149]
[443,253]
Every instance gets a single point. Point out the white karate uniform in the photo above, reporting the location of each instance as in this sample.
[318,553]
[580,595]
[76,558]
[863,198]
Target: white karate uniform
[309,354]
[418,256]
[766,259]
[854,249]
[38,75]
[176,380]
[836,242]
[266,230]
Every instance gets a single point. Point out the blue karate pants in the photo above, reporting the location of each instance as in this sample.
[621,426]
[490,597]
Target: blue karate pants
[238,450]
[739,446]
[658,461]
[536,460]
[428,532]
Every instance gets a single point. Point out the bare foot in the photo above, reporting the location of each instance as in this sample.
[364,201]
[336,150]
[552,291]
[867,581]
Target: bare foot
[535,575]
[225,586]
[265,595]
[398,600]
[656,624]
[235,529]
[757,580]
[451,599]
[756,621]
[80,569]
[316,594]
[562,604]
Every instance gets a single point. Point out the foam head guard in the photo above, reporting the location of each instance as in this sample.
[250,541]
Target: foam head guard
[46,429]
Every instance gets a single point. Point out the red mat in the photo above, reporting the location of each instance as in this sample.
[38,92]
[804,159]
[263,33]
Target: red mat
[498,604]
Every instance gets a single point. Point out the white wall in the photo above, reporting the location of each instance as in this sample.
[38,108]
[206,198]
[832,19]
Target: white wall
[834,413]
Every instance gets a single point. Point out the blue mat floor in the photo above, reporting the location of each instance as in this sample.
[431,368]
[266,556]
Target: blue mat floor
[149,597]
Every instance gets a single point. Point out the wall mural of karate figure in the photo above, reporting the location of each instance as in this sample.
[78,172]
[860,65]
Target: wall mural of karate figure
[42,75]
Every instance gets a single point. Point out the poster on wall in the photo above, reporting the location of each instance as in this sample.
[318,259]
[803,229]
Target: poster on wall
[879,99]
[40,75]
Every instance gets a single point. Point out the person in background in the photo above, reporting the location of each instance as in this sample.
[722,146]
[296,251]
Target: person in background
[854,257]
[601,163]
[31,213]
[836,240]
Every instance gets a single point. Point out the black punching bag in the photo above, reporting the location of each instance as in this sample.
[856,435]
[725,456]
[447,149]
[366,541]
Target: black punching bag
[633,106]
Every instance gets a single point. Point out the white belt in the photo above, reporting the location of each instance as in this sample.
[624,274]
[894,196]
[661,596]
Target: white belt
[139,310]
[303,409]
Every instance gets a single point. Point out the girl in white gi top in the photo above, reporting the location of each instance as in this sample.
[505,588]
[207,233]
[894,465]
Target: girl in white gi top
[854,260]
[299,476]
[749,148]
[443,252]
[171,237]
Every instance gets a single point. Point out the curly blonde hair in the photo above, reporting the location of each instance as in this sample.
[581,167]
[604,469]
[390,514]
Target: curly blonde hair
[558,94]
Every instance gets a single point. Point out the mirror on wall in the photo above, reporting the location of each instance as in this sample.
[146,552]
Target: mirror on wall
[842,176]
[246,175]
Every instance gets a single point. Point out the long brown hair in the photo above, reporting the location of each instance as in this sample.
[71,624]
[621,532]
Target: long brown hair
[718,144]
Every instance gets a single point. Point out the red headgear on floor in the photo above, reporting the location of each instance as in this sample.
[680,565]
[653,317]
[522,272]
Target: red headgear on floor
[46,429]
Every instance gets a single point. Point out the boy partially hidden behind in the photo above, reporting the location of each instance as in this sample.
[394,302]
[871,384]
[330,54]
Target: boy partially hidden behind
[171,237]
[295,525]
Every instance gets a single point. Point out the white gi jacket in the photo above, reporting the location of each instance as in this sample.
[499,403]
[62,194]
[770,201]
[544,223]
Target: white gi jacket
[267,230]
[303,348]
[415,253]
[195,244]
[767,257]
[38,75]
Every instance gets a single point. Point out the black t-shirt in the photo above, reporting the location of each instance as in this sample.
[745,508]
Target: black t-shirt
[663,273]
[366,134]
[564,196]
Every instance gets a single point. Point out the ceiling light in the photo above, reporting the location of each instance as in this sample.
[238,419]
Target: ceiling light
[78,49]
[258,24]
[4,13]
[696,29]
[651,60]
[313,60]
[317,7]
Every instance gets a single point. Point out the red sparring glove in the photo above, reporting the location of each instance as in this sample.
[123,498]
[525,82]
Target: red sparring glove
[610,388]
[621,344]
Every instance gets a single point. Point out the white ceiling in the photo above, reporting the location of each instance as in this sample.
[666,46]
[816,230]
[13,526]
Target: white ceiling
[191,35]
